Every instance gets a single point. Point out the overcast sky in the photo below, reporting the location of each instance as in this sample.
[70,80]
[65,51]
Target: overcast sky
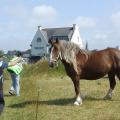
[99,21]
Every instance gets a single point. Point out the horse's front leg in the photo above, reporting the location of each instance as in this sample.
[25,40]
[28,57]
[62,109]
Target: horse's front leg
[78,100]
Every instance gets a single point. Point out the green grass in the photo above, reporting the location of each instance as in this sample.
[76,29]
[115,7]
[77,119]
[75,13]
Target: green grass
[56,97]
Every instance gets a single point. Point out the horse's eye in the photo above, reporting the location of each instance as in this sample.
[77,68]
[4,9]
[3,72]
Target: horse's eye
[55,48]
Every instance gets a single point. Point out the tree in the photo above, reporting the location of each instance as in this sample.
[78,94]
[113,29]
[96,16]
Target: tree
[1,53]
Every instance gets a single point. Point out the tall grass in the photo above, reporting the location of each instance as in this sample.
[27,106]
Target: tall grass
[57,96]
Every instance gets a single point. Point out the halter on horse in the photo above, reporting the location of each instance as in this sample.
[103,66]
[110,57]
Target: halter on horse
[82,65]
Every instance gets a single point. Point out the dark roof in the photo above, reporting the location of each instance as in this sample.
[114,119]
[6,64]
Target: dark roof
[51,32]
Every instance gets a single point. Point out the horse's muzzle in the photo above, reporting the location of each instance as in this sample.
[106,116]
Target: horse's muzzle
[51,64]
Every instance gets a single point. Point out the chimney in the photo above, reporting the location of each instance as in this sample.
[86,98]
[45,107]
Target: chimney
[74,26]
[40,27]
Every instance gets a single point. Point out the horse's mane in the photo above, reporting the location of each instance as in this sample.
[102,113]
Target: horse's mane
[69,50]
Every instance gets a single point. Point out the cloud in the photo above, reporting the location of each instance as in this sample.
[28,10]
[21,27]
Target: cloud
[100,36]
[42,15]
[44,12]
[116,19]
[19,16]
[20,22]
[15,11]
[85,22]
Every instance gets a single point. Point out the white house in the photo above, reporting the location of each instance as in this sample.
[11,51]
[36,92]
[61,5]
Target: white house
[40,46]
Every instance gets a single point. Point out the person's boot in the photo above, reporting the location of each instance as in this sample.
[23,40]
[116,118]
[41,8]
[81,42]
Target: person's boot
[11,92]
[2,104]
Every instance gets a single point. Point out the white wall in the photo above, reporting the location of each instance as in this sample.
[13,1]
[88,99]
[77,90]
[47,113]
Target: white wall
[76,38]
[39,52]
[34,43]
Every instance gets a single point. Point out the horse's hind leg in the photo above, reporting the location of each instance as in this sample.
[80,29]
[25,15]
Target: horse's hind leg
[118,74]
[112,85]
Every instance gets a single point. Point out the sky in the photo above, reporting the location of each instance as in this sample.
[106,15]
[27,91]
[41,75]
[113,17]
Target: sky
[98,20]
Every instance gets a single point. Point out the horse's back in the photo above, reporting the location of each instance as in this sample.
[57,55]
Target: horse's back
[101,62]
[114,56]
[108,54]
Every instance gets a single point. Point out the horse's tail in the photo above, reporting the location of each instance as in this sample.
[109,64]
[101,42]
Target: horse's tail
[118,73]
[118,66]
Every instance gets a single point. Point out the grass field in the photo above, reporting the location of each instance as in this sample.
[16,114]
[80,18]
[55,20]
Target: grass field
[56,97]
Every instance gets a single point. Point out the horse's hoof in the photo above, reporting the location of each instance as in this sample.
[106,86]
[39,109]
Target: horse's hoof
[77,103]
[107,98]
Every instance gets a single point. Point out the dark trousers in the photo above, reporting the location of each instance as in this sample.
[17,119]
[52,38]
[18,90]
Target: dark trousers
[2,102]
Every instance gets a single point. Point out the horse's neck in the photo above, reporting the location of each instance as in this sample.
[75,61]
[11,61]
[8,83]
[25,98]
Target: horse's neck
[84,54]
[67,55]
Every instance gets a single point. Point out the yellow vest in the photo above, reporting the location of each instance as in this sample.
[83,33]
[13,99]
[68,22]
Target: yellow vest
[16,68]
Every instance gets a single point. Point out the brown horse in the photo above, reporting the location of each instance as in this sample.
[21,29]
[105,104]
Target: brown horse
[82,65]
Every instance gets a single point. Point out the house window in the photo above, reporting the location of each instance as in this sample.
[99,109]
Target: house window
[60,37]
[39,39]
[40,48]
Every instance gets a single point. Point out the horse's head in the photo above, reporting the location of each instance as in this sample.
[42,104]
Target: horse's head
[54,53]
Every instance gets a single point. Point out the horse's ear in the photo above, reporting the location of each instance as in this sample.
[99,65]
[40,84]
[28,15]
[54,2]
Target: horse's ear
[49,41]
[53,41]
[57,40]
